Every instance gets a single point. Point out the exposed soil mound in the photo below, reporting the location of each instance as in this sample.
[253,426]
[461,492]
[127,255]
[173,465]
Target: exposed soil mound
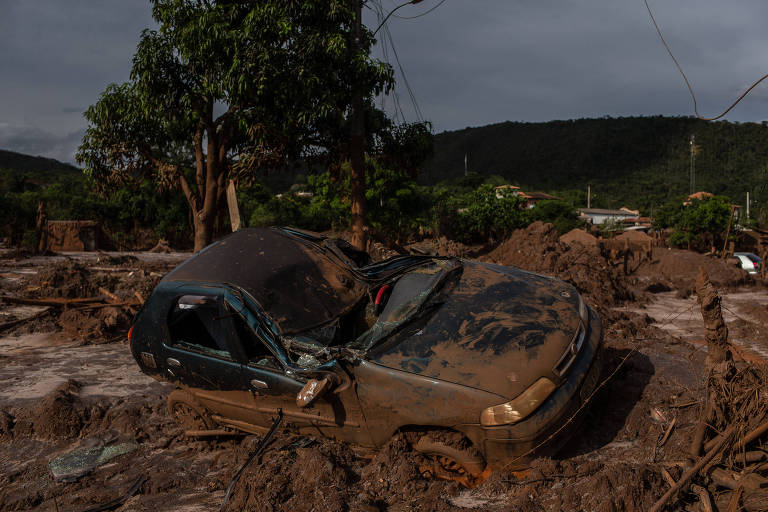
[538,249]
[635,236]
[579,236]
[93,325]
[677,269]
[59,414]
[295,477]
[68,279]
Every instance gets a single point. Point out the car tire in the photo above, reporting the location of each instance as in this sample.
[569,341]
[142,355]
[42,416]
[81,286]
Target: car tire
[187,413]
[454,447]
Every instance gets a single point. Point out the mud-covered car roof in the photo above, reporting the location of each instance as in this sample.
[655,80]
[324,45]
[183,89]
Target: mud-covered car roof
[298,284]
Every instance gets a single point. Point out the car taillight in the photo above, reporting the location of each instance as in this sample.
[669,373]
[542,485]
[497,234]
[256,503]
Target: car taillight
[130,337]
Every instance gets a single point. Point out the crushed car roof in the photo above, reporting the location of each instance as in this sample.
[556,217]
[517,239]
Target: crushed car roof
[296,282]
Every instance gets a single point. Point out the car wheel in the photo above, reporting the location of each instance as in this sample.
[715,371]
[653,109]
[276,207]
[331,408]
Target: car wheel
[453,457]
[187,413]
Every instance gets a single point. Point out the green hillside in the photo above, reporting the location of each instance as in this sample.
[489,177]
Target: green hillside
[41,168]
[634,161]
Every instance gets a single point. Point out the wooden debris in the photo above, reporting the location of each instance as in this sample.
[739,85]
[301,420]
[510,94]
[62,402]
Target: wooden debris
[704,498]
[110,296]
[688,475]
[14,323]
[668,477]
[668,432]
[733,506]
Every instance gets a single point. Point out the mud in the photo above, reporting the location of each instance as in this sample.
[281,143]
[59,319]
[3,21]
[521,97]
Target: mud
[57,394]
[538,249]
[676,269]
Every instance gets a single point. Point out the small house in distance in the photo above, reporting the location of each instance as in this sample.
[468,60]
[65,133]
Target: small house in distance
[598,216]
[506,191]
[532,198]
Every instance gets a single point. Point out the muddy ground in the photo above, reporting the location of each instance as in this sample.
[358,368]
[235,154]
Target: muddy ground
[69,381]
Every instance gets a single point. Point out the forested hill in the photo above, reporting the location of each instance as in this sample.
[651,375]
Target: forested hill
[36,164]
[637,161]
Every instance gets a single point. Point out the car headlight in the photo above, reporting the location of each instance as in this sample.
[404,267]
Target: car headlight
[519,408]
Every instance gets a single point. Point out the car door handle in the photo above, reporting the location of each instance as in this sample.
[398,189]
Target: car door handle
[259,384]
[173,362]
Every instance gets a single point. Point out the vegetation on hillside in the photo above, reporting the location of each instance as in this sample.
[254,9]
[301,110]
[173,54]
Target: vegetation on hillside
[641,162]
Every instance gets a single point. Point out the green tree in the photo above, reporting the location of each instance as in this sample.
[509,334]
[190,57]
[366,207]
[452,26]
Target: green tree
[228,87]
[702,223]
[561,214]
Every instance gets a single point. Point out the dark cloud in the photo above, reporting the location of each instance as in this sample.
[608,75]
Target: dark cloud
[469,62]
[37,142]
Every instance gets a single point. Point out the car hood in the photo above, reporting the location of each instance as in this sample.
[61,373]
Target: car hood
[493,328]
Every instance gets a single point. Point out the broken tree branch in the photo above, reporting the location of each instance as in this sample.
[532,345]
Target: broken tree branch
[688,475]
[13,323]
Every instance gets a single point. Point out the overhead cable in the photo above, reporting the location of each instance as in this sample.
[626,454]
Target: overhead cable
[688,84]
[420,15]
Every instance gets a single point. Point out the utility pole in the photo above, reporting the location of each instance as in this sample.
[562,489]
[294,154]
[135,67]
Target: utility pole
[747,205]
[465,164]
[693,164]
[589,196]
[357,150]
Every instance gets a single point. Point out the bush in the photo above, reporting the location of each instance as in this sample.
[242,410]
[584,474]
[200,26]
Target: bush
[480,216]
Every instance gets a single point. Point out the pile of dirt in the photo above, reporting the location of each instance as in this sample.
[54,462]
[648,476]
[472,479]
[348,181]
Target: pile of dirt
[635,236]
[537,248]
[676,269]
[68,279]
[579,236]
[93,326]
[125,279]
[59,414]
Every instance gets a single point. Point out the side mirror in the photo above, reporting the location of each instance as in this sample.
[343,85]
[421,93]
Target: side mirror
[312,390]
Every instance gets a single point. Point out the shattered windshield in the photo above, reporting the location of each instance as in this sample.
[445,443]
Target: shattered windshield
[410,293]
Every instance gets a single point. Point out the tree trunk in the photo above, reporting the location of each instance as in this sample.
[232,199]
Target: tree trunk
[357,198]
[357,157]
[203,230]
[717,332]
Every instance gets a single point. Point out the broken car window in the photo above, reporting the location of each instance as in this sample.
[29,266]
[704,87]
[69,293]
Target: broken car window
[254,348]
[196,323]
[409,295]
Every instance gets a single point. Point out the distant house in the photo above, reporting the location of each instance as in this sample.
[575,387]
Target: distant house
[532,198]
[506,191]
[701,196]
[598,216]
[697,195]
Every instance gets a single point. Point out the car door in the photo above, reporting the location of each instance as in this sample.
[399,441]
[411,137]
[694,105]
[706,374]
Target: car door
[274,384]
[199,352]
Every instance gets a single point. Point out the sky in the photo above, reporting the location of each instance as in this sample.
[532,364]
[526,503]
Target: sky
[468,62]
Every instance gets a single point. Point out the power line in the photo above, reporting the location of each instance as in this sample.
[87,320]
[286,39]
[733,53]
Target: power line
[398,109]
[388,41]
[687,83]
[420,15]
[415,103]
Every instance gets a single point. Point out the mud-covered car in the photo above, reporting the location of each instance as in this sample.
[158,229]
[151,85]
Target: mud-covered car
[477,363]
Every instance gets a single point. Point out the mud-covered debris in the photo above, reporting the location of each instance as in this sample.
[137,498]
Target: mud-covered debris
[92,453]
